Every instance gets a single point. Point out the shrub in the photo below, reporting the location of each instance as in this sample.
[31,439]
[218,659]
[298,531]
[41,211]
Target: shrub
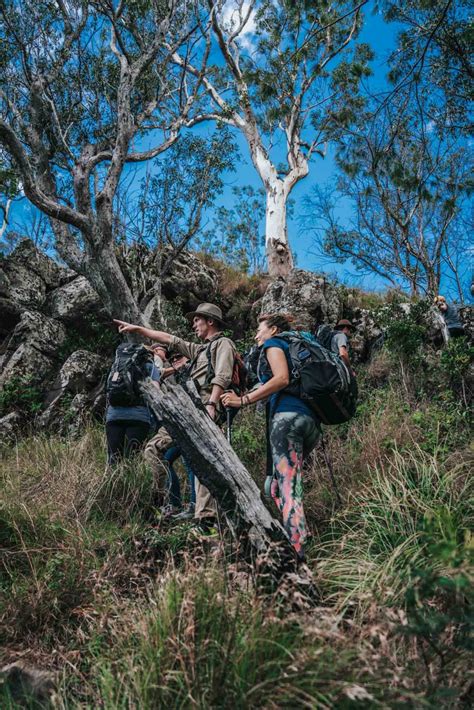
[387,527]
[92,334]
[21,394]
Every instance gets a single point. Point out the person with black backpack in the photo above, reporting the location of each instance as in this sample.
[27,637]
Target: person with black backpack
[337,339]
[293,427]
[129,420]
[212,367]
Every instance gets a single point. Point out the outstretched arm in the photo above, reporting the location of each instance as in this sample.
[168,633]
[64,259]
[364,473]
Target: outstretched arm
[279,380]
[158,335]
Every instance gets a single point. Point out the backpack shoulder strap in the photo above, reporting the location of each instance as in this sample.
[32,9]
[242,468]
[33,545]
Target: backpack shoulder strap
[209,353]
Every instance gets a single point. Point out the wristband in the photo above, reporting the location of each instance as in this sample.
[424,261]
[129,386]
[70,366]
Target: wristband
[211,404]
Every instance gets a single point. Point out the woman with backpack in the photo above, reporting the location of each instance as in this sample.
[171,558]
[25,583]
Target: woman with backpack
[293,428]
[129,420]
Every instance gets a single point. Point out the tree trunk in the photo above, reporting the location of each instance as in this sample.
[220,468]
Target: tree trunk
[280,259]
[110,284]
[218,467]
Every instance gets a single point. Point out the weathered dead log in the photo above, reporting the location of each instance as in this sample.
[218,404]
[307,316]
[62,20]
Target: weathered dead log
[219,468]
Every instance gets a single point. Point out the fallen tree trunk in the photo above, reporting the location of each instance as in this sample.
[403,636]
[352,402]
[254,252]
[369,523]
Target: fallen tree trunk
[218,467]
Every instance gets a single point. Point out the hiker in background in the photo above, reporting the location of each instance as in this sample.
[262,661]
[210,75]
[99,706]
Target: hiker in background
[293,428]
[340,341]
[450,315]
[129,421]
[211,369]
[161,453]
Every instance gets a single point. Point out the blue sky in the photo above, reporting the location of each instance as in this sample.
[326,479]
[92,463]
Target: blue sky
[381,37]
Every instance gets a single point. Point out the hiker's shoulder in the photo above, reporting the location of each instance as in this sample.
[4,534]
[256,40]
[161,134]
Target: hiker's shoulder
[186,347]
[340,339]
[275,342]
[224,342]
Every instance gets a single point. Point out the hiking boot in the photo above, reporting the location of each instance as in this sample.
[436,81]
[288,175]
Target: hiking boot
[205,528]
[186,514]
[167,511]
[268,487]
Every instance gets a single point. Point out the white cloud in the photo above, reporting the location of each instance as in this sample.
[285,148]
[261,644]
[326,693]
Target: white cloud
[232,14]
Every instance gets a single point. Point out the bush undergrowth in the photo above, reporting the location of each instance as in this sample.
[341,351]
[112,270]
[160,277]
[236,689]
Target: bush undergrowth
[131,613]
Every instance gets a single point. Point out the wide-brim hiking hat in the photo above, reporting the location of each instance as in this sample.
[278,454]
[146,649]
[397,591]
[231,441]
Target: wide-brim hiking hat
[344,323]
[159,346]
[208,310]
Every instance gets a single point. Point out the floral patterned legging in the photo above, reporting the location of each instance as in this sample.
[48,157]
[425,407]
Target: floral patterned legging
[292,436]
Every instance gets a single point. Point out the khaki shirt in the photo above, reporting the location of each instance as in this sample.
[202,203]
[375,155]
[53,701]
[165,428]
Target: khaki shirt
[222,360]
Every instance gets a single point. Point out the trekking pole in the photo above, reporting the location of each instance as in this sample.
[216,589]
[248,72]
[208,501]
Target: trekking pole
[331,472]
[229,424]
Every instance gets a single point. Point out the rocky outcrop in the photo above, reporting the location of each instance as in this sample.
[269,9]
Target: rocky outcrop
[76,393]
[366,334]
[190,280]
[30,352]
[31,280]
[74,299]
[307,296]
[81,372]
[26,276]
[28,686]
[10,425]
[52,329]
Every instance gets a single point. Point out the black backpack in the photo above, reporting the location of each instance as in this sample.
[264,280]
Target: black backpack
[325,334]
[128,369]
[320,378]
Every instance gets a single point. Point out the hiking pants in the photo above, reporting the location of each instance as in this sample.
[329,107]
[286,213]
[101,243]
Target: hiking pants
[292,436]
[124,438]
[160,454]
[174,487]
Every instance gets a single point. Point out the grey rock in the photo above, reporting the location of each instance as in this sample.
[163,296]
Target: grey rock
[365,335]
[26,254]
[307,296]
[26,683]
[9,425]
[30,352]
[73,300]
[21,287]
[190,280]
[26,276]
[81,372]
[82,375]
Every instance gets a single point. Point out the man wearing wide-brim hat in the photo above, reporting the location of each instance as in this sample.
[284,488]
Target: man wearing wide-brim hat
[212,364]
[340,340]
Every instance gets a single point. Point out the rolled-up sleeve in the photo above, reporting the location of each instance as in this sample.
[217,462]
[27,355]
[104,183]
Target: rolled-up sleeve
[224,363]
[189,350]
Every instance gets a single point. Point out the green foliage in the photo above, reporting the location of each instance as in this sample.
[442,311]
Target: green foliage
[237,236]
[176,321]
[221,650]
[125,492]
[382,534]
[21,394]
[405,328]
[248,437]
[439,606]
[456,359]
[91,334]
[43,575]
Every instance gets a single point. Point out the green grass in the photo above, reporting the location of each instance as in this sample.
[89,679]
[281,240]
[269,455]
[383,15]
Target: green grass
[131,613]
[390,524]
